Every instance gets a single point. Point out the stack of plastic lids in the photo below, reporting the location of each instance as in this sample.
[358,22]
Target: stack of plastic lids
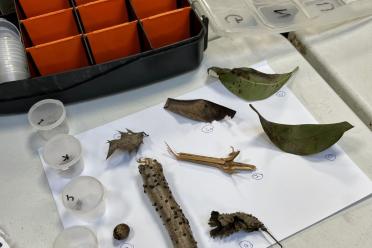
[13,61]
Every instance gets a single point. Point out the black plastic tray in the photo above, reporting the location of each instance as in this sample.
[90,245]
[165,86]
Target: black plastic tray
[111,77]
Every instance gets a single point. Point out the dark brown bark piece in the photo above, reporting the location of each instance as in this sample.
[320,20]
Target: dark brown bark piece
[199,109]
[156,187]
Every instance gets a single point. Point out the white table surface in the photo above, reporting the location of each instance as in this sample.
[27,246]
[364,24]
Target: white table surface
[27,209]
[342,56]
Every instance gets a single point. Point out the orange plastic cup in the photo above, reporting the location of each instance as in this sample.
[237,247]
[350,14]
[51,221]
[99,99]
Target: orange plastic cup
[115,42]
[59,56]
[102,14]
[52,26]
[168,28]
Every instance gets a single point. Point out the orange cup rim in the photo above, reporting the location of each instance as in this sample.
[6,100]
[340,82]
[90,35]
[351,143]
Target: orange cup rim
[54,42]
[93,3]
[47,14]
[112,27]
[165,13]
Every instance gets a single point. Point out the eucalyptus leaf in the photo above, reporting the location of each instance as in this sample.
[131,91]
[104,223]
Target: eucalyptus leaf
[303,139]
[251,84]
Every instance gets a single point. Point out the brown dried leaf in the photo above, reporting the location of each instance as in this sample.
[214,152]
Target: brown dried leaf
[199,109]
[129,141]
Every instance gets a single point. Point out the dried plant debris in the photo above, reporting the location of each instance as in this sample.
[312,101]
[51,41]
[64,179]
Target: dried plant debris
[121,231]
[225,225]
[129,141]
[251,84]
[303,139]
[199,109]
[227,165]
[157,189]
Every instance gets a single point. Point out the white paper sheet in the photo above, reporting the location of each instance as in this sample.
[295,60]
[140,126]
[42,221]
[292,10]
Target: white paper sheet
[287,192]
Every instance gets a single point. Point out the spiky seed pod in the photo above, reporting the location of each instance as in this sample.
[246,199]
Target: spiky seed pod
[156,187]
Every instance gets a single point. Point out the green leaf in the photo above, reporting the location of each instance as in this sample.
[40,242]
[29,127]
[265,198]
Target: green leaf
[303,139]
[251,84]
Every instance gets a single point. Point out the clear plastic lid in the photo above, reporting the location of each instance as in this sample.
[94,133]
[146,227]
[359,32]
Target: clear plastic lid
[278,16]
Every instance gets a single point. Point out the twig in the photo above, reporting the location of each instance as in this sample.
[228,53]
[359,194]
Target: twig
[225,164]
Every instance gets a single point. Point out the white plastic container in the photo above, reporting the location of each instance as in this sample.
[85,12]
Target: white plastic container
[64,154]
[277,16]
[76,237]
[84,197]
[4,240]
[13,61]
[48,117]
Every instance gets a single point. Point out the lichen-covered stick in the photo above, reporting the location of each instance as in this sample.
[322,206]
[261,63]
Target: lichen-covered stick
[156,187]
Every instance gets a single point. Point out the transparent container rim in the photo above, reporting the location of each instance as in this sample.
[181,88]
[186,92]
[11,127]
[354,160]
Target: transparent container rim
[9,26]
[75,160]
[101,198]
[78,227]
[55,124]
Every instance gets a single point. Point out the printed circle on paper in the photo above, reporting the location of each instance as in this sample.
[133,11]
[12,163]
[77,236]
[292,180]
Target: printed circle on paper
[245,244]
[281,93]
[207,128]
[330,157]
[257,176]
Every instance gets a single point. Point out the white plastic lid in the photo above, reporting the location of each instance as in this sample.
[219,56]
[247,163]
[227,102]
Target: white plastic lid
[277,16]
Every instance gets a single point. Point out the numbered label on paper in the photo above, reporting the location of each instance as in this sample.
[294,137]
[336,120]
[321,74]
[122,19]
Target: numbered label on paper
[330,157]
[281,93]
[245,244]
[207,128]
[257,176]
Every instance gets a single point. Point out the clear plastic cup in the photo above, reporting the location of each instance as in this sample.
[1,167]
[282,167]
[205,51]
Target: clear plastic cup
[64,154]
[4,240]
[48,117]
[84,197]
[76,237]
